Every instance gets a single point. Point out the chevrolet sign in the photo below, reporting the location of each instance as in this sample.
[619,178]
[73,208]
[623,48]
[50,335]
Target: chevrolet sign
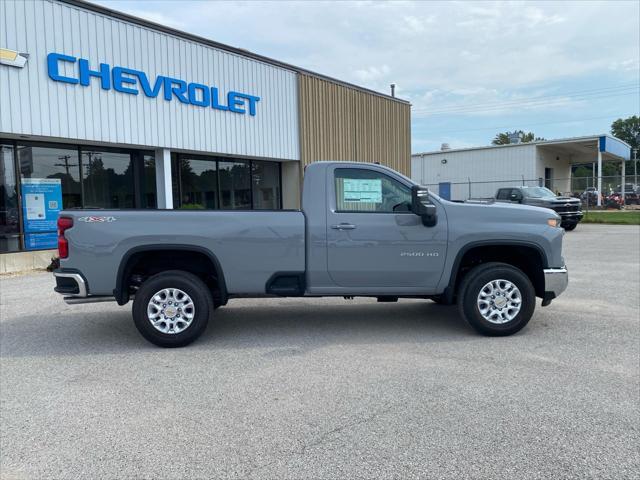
[132,82]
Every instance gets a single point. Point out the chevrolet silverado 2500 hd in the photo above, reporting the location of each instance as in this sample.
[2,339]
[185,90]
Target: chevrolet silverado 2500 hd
[363,230]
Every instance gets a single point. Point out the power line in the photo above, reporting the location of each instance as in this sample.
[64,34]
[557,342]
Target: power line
[541,97]
[540,100]
[531,124]
[635,83]
[531,103]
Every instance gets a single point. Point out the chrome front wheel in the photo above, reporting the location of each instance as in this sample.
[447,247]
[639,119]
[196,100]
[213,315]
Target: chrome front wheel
[496,298]
[499,301]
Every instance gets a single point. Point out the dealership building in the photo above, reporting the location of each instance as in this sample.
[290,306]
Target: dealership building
[100,109]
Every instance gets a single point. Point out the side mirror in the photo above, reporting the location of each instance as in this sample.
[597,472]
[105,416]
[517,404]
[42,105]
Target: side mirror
[514,197]
[421,206]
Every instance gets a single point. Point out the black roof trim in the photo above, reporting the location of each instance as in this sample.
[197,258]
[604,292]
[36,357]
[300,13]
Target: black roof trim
[221,46]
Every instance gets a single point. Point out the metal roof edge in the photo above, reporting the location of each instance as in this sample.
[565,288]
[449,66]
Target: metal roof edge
[221,46]
[540,142]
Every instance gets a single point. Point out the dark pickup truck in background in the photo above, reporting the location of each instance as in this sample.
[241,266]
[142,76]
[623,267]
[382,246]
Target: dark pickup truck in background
[569,209]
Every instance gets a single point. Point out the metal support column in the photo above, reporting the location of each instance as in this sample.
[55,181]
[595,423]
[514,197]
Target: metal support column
[163,178]
[599,199]
[622,189]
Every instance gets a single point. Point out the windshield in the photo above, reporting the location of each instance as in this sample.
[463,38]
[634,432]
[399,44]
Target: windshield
[538,192]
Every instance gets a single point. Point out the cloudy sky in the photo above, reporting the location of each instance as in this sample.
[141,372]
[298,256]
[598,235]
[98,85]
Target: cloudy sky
[470,69]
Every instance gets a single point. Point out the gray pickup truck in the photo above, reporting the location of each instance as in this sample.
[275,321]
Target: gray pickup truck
[363,230]
[569,209]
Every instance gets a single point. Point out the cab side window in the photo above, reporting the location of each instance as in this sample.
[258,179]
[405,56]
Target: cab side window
[363,190]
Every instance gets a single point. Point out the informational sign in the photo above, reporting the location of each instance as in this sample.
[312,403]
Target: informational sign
[41,204]
[362,190]
[41,241]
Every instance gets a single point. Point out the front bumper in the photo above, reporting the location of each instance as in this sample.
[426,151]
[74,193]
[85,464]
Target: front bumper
[556,281]
[571,216]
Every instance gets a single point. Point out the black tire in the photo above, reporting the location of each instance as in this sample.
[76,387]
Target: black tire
[470,289]
[189,284]
[570,226]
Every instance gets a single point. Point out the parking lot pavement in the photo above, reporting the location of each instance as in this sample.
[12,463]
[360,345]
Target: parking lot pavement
[328,388]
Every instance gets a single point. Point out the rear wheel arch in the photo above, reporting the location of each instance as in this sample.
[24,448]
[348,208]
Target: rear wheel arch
[132,258]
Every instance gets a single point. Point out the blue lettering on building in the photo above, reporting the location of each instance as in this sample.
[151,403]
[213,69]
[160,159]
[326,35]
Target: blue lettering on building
[132,82]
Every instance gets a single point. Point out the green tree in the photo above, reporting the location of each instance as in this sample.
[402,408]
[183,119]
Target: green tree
[525,137]
[627,130]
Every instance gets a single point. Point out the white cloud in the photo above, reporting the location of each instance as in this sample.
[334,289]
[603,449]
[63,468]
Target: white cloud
[157,17]
[438,53]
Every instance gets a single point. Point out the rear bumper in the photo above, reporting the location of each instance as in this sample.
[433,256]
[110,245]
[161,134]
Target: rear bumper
[74,287]
[556,281]
[70,283]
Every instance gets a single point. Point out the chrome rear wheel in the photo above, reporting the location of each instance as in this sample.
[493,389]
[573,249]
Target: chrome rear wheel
[172,308]
[170,311]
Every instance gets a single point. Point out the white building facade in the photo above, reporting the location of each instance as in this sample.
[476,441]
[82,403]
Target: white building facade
[460,174]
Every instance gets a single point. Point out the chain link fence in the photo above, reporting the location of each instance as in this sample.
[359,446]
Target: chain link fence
[579,187]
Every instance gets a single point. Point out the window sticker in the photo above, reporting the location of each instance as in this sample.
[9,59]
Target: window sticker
[362,190]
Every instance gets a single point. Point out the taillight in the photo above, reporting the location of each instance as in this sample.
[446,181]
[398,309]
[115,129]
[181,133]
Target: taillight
[64,223]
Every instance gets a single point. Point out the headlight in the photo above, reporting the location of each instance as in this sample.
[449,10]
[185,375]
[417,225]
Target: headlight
[553,222]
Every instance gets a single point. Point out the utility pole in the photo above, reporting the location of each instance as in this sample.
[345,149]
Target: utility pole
[66,164]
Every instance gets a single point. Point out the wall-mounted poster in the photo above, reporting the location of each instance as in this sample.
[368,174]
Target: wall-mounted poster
[41,204]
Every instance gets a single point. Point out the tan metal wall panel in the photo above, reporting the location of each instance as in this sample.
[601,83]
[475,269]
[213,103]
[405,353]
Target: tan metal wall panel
[342,123]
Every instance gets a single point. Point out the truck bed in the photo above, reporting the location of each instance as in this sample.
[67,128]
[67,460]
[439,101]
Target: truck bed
[266,241]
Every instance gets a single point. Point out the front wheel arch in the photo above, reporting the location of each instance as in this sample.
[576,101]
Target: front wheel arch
[526,256]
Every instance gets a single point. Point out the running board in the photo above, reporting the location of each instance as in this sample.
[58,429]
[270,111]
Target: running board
[78,300]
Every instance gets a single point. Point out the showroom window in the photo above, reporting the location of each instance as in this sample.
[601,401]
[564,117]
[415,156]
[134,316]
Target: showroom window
[9,208]
[235,185]
[107,178]
[198,180]
[265,180]
[38,177]
[51,162]
[211,183]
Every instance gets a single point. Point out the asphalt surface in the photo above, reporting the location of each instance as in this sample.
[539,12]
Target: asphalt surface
[330,388]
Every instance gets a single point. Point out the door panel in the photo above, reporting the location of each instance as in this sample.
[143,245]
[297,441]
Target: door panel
[377,247]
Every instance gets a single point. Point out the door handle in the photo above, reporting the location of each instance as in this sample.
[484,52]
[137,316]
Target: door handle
[344,226]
